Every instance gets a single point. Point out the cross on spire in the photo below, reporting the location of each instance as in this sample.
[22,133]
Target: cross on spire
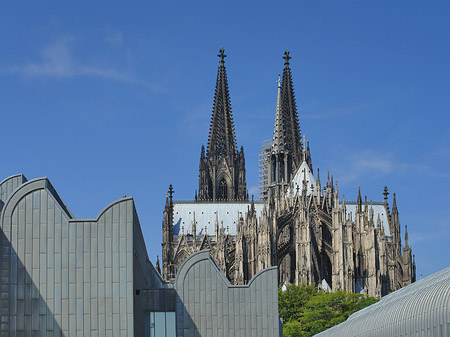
[286,57]
[222,55]
[304,141]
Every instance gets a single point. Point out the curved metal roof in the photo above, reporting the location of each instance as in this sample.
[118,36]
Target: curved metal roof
[419,309]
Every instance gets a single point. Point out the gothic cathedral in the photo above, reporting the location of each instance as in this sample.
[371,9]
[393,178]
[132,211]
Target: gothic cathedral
[307,230]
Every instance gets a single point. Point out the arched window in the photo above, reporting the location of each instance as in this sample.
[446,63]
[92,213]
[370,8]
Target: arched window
[223,189]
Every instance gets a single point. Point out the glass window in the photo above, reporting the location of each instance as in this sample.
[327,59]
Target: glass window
[160,324]
[170,324]
[152,324]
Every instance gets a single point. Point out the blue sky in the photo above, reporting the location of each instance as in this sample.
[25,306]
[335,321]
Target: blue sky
[112,98]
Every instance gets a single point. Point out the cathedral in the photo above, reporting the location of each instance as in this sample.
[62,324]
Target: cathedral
[300,225]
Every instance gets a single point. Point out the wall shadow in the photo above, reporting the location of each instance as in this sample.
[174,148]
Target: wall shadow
[24,312]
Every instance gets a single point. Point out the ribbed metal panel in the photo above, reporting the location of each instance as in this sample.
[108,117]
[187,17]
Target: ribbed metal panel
[420,309]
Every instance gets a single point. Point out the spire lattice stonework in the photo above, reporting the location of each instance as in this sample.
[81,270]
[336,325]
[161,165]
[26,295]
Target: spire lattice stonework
[222,141]
[222,169]
[290,116]
[287,147]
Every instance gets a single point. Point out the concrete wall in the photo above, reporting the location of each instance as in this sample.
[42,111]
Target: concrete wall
[208,305]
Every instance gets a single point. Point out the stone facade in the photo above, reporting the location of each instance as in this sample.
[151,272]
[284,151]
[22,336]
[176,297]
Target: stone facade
[311,233]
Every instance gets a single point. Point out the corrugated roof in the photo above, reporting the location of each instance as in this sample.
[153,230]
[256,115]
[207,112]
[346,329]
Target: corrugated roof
[419,309]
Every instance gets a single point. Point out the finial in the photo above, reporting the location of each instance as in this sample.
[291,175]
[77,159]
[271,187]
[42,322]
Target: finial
[171,192]
[385,193]
[286,57]
[279,81]
[222,55]
[304,141]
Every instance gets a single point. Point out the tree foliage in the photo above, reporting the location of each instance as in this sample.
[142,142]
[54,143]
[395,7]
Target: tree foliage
[306,311]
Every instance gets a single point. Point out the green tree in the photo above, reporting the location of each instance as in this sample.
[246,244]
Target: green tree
[306,311]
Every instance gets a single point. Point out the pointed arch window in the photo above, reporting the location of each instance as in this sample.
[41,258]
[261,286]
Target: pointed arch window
[223,189]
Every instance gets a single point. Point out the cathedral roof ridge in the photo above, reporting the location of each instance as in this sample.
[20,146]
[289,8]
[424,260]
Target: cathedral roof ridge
[374,202]
[216,201]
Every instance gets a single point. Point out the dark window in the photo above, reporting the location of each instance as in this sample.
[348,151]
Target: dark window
[223,190]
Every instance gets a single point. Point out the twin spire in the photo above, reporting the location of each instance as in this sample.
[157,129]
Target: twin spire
[287,136]
[222,165]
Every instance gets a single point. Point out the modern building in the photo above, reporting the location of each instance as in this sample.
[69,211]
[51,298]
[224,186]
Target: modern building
[63,276]
[301,226]
[419,309]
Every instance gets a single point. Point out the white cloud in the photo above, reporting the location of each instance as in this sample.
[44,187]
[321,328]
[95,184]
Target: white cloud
[57,61]
[359,165]
[367,162]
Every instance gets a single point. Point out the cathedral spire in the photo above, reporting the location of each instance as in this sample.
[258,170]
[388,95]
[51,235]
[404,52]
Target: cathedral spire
[290,116]
[222,168]
[222,141]
[278,132]
[286,154]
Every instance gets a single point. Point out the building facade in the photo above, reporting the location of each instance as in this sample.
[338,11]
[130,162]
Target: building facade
[69,277]
[300,225]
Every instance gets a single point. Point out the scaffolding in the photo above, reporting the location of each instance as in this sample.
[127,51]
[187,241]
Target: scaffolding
[263,161]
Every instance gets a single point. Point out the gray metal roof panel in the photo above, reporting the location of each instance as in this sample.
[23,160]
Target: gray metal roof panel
[421,308]
[206,214]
